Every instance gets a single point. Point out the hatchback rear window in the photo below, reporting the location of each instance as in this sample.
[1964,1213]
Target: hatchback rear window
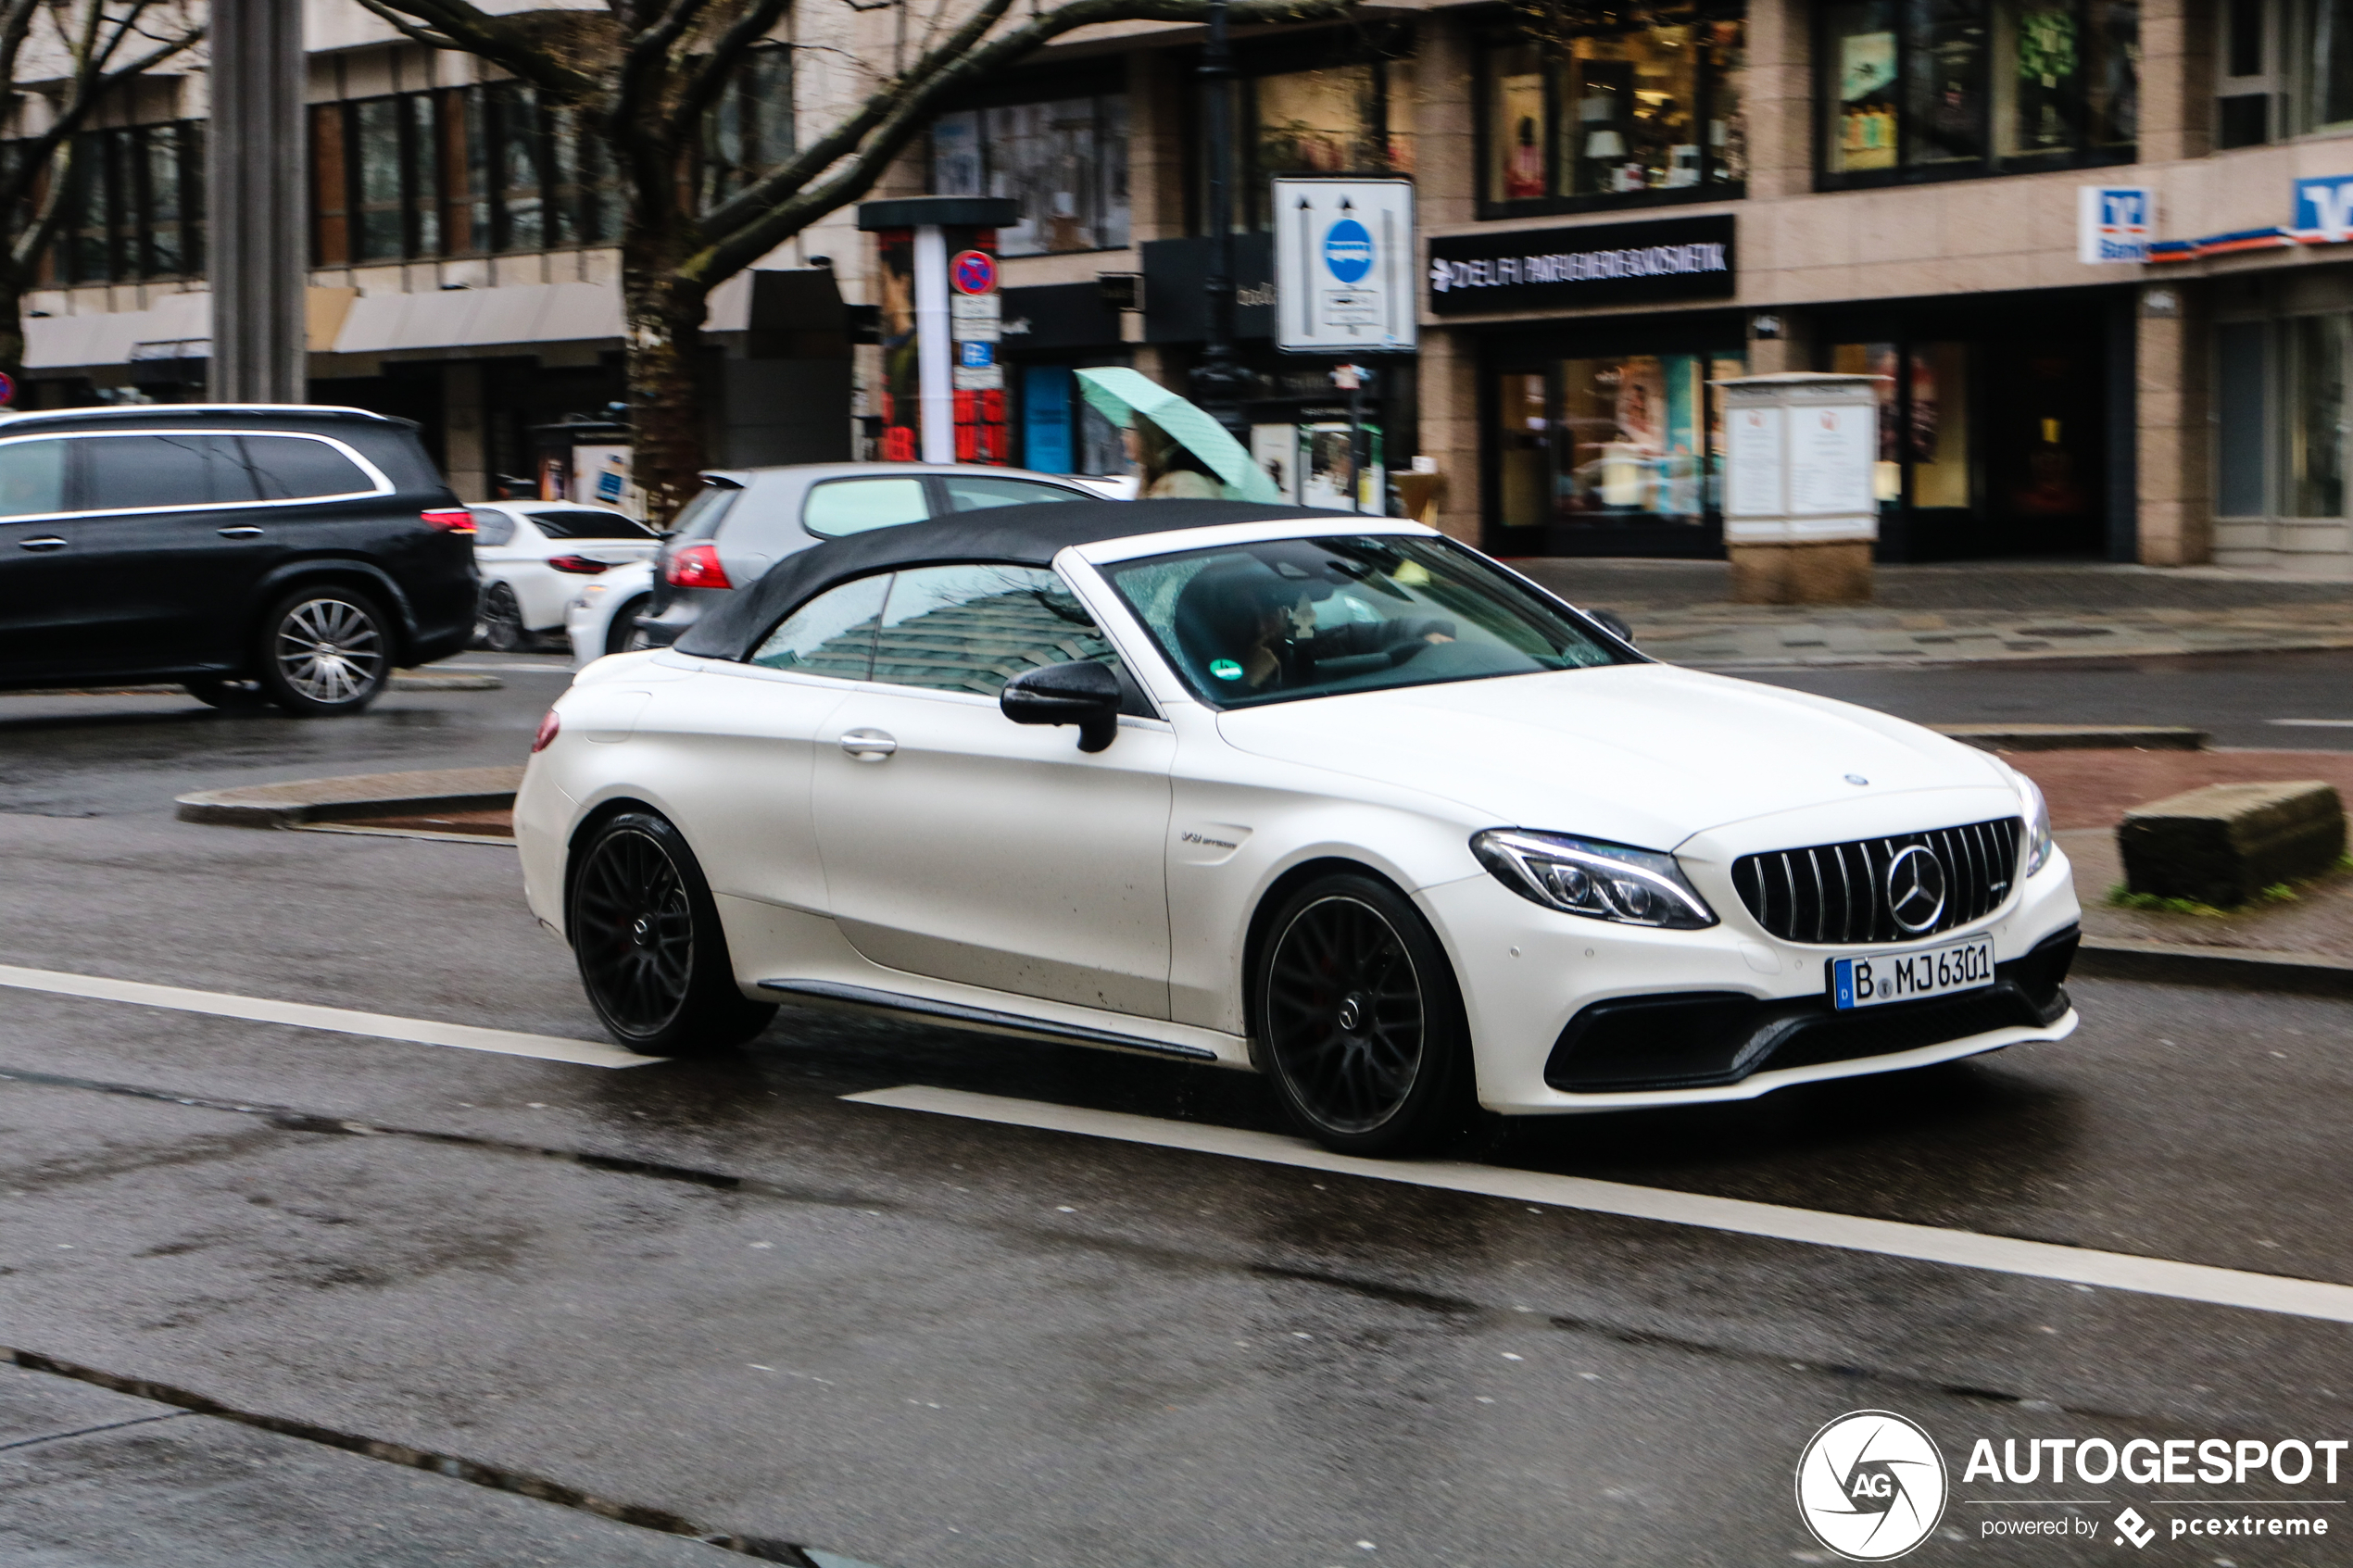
[590,525]
[493,529]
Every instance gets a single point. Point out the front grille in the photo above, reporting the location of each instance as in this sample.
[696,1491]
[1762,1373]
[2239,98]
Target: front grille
[1837,893]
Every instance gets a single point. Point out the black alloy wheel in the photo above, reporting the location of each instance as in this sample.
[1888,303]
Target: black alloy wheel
[1358,1019]
[646,934]
[324,651]
[623,634]
[502,627]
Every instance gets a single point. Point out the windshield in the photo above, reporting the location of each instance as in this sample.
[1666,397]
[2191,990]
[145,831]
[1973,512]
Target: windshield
[1254,623]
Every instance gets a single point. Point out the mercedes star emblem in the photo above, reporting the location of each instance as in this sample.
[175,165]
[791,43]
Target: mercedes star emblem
[1916,889]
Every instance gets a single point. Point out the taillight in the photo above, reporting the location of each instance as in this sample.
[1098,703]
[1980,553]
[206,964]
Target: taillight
[696,566]
[458,521]
[547,729]
[579,566]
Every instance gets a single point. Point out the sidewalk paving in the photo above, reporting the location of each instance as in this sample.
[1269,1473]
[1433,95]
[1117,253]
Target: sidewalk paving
[2089,793]
[1993,611]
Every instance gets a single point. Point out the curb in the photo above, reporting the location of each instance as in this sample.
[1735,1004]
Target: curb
[2076,737]
[301,802]
[402,681]
[2173,964]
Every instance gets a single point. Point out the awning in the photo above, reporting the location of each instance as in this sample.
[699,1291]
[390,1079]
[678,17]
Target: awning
[1119,394]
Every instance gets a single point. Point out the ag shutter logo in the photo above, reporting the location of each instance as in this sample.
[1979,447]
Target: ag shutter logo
[1871,1485]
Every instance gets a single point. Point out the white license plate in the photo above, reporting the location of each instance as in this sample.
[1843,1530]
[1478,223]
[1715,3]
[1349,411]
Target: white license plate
[1875,978]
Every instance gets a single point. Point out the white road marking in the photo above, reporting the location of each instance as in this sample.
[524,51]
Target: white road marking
[1966,1249]
[2312,724]
[304,1015]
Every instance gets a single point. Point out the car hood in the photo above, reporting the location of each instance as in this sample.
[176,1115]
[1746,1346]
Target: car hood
[1641,754]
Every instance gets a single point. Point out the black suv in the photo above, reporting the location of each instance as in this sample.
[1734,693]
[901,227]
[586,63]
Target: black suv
[308,550]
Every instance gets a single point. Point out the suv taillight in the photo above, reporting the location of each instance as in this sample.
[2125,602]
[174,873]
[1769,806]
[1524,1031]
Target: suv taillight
[696,566]
[458,521]
[579,566]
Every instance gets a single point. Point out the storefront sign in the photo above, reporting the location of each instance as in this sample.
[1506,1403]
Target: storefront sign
[2324,208]
[1598,264]
[2114,223]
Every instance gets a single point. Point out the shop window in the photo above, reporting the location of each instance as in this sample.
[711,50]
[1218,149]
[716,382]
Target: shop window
[133,206]
[1924,394]
[1942,89]
[2241,398]
[1612,439]
[1064,162]
[1609,117]
[2316,347]
[1345,116]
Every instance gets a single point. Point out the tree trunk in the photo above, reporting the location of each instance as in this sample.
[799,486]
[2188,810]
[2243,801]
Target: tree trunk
[12,337]
[665,388]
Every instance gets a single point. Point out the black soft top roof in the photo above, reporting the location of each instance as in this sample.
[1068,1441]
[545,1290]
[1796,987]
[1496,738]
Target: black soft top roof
[1028,535]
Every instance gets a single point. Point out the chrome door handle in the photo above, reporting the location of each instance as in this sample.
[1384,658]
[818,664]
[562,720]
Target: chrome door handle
[51,543]
[248,531]
[868,746]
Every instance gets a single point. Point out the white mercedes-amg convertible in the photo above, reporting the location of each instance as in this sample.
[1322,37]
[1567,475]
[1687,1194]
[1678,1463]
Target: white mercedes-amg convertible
[1328,796]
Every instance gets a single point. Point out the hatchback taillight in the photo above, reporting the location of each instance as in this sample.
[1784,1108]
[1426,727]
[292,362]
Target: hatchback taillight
[458,521]
[579,566]
[547,728]
[696,566]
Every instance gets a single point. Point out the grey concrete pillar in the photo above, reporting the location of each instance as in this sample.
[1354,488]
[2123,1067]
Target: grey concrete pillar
[261,249]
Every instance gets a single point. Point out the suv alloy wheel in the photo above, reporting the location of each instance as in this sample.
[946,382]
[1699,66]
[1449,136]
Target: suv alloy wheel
[325,650]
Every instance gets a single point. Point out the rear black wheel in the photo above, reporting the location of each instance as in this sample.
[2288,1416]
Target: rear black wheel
[1358,1019]
[324,651]
[623,634]
[646,934]
[502,627]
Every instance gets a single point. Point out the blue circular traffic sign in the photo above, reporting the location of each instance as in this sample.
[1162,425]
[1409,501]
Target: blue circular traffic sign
[1348,250]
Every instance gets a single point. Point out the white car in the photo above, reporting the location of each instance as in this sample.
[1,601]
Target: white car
[602,618]
[1347,803]
[536,555]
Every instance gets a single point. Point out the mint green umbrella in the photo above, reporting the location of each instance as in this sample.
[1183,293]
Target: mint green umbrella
[1119,394]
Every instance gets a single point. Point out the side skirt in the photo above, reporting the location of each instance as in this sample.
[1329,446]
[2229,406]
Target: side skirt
[866,1000]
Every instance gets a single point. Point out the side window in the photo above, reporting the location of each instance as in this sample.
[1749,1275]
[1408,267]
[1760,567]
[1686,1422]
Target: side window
[853,505]
[700,517]
[832,634]
[971,628]
[137,473]
[492,527]
[289,468]
[968,493]
[33,478]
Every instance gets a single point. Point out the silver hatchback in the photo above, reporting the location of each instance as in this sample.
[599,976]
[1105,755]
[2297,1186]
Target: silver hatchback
[745,520]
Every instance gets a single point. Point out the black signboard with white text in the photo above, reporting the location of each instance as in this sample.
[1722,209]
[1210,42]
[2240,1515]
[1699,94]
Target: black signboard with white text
[1595,264]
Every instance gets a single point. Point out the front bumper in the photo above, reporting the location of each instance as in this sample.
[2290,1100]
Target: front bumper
[1570,1014]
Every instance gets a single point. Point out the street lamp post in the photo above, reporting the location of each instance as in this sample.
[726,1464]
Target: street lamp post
[1219,384]
[261,251]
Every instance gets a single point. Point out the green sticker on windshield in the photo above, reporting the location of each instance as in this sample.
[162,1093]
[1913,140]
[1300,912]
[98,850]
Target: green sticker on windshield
[1225,669]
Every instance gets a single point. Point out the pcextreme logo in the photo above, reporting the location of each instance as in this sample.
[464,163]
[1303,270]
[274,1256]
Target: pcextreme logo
[1871,1485]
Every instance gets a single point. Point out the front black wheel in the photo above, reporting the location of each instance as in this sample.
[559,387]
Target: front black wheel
[1358,1019]
[324,651]
[646,938]
[623,634]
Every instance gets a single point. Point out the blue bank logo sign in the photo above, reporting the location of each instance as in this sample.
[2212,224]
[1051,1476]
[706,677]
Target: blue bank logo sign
[1344,272]
[2114,223]
[2324,208]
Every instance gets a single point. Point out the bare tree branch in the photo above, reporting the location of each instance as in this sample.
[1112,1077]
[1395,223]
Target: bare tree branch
[411,30]
[726,52]
[512,47]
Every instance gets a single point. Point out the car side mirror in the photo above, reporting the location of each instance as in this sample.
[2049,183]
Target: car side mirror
[1614,624]
[1082,693]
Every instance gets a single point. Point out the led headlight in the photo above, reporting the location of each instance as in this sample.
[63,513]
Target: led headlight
[2038,822]
[1583,876]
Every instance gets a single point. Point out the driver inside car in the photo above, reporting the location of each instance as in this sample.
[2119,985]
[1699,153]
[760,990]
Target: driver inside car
[1263,628]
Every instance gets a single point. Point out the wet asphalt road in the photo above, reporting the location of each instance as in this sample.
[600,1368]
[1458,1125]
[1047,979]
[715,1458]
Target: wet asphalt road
[717,1292]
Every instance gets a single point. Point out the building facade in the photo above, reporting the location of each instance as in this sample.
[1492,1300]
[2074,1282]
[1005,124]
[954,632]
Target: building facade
[1613,218]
